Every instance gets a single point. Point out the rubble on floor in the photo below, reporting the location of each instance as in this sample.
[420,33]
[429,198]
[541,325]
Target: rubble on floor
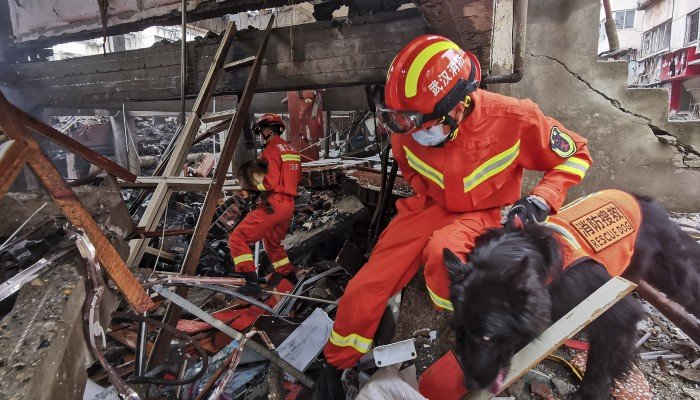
[42,350]
[328,241]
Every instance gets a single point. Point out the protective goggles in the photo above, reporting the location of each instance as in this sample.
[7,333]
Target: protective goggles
[402,122]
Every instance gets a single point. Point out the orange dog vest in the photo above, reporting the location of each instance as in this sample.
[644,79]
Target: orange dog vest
[602,226]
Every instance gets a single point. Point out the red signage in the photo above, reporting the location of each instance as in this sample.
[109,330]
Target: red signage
[676,65]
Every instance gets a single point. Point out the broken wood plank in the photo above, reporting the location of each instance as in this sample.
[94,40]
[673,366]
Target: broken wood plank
[127,337]
[139,232]
[242,63]
[13,155]
[165,255]
[565,328]
[73,145]
[75,212]
[218,128]
[218,116]
[154,211]
[177,183]
[671,310]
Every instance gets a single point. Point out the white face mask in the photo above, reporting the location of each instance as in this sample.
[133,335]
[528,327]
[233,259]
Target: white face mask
[432,136]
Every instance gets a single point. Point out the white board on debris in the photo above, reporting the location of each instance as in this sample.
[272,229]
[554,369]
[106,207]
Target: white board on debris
[307,341]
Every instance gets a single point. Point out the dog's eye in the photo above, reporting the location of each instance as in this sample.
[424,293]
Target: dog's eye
[486,338]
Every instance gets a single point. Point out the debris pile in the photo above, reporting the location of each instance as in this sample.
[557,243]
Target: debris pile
[225,344]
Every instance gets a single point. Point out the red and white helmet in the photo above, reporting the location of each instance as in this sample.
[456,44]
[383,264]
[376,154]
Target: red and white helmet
[426,80]
[268,119]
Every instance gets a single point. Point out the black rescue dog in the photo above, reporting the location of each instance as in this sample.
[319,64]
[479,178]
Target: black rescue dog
[513,287]
[250,173]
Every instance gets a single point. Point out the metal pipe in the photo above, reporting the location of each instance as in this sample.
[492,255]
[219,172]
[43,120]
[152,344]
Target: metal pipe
[141,357]
[610,29]
[294,296]
[671,310]
[519,34]
[183,62]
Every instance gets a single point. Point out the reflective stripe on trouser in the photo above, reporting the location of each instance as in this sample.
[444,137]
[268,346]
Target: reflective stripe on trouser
[459,237]
[259,225]
[243,258]
[395,259]
[281,263]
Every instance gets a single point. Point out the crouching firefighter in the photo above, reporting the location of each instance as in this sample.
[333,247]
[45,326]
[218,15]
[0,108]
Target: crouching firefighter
[269,224]
[463,151]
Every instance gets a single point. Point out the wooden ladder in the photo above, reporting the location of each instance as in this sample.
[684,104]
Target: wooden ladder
[186,139]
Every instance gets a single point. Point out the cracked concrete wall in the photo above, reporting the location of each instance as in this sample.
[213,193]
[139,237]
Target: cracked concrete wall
[634,147]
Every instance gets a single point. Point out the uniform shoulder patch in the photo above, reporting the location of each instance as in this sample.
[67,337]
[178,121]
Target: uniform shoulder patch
[561,143]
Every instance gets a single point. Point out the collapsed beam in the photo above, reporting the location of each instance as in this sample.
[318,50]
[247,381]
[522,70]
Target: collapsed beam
[323,54]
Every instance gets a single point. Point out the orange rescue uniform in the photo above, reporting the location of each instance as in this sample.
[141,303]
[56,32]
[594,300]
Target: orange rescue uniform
[459,190]
[602,226]
[283,176]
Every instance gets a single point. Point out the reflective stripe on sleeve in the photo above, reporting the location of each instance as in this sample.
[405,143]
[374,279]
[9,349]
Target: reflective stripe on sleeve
[260,187]
[575,166]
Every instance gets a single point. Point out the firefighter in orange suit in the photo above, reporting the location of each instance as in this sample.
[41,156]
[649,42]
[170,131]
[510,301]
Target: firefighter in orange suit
[281,180]
[463,151]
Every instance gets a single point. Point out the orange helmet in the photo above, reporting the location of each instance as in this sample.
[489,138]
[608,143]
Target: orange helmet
[268,119]
[426,80]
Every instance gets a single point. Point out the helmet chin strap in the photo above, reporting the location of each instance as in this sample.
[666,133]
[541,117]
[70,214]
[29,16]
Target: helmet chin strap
[454,127]
[454,124]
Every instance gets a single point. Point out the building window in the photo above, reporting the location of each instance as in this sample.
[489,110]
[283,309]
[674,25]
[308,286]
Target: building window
[602,29]
[656,38]
[691,26]
[624,19]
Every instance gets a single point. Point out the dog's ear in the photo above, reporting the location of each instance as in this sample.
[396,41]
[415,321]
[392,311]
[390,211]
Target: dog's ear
[455,267]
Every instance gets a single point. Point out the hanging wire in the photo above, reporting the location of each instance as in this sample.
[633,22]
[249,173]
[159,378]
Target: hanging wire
[162,242]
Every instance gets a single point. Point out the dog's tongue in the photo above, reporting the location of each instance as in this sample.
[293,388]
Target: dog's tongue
[497,383]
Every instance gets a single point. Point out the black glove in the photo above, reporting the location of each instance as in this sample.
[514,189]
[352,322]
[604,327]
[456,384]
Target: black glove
[529,209]
[328,384]
[276,278]
[252,285]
